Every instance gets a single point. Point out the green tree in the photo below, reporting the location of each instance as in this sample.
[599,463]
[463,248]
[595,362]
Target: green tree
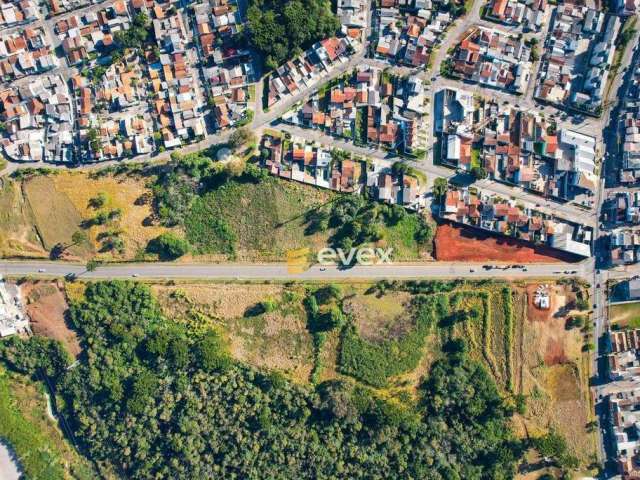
[440,187]
[168,246]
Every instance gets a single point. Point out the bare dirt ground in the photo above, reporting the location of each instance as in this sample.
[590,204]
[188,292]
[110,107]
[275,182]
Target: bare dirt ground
[458,244]
[46,306]
[550,373]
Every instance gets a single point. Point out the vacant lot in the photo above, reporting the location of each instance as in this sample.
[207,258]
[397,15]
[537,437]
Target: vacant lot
[552,372]
[261,221]
[55,216]
[128,194]
[465,244]
[391,345]
[47,307]
[18,235]
[379,317]
[277,339]
[402,238]
[626,315]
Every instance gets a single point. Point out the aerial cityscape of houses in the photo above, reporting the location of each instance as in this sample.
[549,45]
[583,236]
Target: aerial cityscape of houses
[475,208]
[578,57]
[515,146]
[493,58]
[473,113]
[316,164]
[368,107]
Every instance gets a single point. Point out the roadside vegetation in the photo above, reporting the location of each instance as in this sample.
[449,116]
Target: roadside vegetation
[397,355]
[237,211]
[138,363]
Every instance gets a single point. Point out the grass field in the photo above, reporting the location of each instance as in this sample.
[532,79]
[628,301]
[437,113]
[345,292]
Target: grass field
[262,221]
[626,315]
[40,447]
[126,193]
[18,235]
[402,238]
[55,216]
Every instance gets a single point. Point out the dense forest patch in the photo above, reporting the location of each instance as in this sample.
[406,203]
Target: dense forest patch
[282,29]
[150,398]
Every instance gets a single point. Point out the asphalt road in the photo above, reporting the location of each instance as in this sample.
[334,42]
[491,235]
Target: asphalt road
[280,272]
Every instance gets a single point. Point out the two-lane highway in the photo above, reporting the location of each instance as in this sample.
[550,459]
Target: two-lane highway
[280,272]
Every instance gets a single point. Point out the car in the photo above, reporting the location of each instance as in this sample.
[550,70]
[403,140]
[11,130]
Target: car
[41,270]
[134,275]
[524,269]
[471,270]
[322,269]
[598,286]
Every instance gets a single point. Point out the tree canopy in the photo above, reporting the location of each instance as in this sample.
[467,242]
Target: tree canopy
[282,29]
[152,399]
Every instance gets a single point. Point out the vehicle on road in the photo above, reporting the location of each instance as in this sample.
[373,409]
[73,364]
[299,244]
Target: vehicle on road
[134,275]
[322,269]
[41,270]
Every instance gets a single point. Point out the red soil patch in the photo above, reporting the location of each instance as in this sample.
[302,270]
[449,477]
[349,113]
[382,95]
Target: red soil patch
[462,244]
[554,353]
[46,307]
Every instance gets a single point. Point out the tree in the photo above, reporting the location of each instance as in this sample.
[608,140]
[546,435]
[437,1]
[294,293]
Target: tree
[440,187]
[240,137]
[400,168]
[168,246]
[92,265]
[479,172]
[79,237]
[278,29]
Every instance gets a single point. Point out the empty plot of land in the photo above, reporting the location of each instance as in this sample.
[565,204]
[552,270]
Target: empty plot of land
[127,194]
[457,244]
[625,315]
[551,371]
[46,306]
[18,235]
[380,317]
[55,216]
[277,339]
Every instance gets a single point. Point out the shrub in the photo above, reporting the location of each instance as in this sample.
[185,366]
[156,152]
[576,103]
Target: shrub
[168,246]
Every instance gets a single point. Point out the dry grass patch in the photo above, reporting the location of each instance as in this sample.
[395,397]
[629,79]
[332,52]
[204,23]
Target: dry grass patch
[128,194]
[18,235]
[378,318]
[55,216]
[626,315]
[277,339]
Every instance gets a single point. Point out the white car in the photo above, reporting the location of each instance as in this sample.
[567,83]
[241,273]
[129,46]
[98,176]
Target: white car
[41,270]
